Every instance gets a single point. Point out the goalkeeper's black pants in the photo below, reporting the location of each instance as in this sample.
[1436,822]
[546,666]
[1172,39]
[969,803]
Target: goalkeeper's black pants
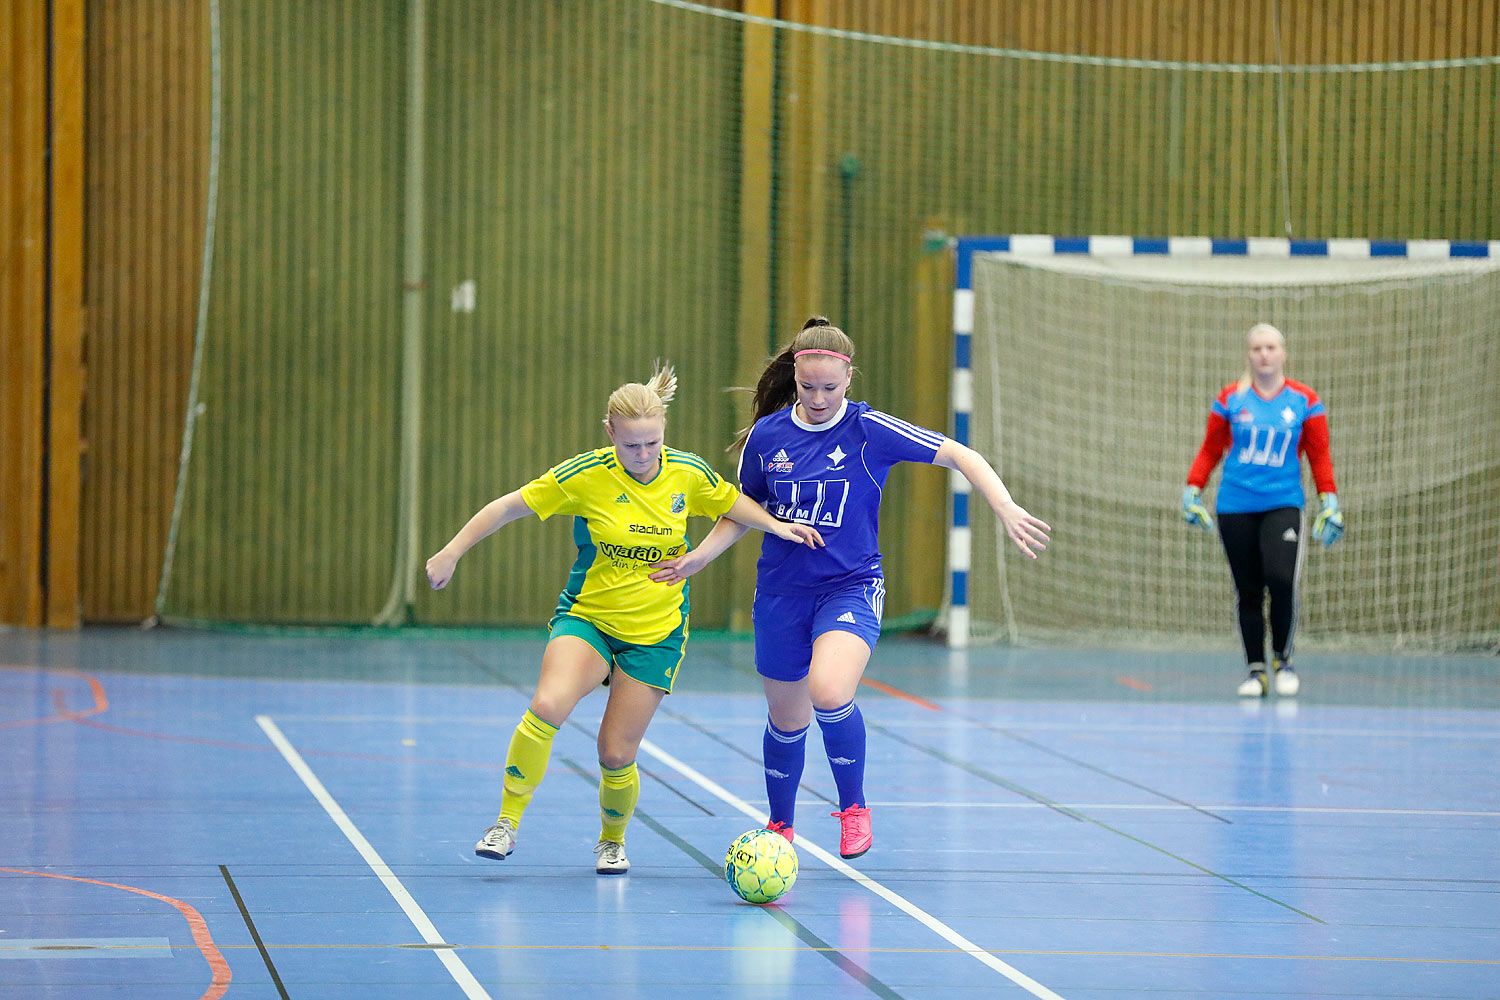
[1263,550]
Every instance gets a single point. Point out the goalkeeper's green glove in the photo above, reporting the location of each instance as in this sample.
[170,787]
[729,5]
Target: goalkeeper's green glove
[1193,511]
[1329,527]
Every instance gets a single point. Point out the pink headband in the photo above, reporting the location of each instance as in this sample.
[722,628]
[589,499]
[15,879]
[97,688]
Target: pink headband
[831,354]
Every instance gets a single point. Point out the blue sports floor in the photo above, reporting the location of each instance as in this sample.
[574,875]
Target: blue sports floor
[197,814]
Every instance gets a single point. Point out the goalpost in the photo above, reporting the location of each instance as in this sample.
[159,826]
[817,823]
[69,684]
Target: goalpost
[1084,369]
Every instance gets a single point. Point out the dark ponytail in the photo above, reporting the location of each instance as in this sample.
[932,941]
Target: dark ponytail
[777,387]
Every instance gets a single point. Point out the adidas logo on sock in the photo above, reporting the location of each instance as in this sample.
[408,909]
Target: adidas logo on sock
[622,498]
[840,760]
[848,616]
[1290,535]
[514,772]
[772,772]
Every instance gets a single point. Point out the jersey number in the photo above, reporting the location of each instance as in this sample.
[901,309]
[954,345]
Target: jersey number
[1267,453]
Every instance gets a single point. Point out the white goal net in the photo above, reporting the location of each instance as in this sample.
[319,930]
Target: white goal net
[1093,378]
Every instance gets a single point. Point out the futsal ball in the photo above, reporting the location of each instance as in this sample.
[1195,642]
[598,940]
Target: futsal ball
[760,866]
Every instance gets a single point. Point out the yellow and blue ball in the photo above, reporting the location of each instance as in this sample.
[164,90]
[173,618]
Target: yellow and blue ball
[760,866]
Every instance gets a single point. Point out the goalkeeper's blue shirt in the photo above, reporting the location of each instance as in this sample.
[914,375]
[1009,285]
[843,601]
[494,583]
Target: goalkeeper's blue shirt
[830,476]
[1261,441]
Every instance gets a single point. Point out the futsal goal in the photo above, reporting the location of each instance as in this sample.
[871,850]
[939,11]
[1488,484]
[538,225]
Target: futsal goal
[1085,368]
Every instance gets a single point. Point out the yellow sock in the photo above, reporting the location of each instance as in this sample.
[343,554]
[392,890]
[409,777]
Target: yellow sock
[525,765]
[618,792]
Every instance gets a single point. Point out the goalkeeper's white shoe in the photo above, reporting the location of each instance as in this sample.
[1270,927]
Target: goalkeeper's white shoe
[1254,686]
[1287,683]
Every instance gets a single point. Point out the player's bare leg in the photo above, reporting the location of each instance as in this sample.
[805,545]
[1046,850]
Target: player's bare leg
[631,707]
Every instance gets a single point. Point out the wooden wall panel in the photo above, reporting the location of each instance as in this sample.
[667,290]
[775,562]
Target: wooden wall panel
[608,221]
[147,140]
[23,240]
[65,307]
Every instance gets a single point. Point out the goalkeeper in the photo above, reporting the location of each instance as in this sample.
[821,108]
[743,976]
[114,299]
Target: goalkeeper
[1265,422]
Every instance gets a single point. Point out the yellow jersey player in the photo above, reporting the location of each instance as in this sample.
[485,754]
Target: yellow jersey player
[630,504]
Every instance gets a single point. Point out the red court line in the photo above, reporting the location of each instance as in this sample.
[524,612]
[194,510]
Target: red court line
[101,704]
[898,693]
[199,926]
[1134,684]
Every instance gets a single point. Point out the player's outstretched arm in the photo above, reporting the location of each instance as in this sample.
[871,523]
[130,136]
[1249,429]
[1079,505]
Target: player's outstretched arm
[723,534]
[1028,532]
[730,528]
[491,517]
[751,514]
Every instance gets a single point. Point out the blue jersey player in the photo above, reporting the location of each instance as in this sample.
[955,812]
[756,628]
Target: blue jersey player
[1260,427]
[812,457]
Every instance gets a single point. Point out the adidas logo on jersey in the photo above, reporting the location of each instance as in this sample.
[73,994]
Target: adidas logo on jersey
[622,498]
[847,616]
[781,456]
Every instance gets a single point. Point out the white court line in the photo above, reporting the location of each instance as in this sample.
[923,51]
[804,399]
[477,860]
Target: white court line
[1011,726]
[932,923]
[1209,807]
[456,968]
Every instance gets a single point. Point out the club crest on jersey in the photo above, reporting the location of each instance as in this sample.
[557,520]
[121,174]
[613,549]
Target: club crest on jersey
[780,462]
[1244,417]
[679,502]
[1288,414]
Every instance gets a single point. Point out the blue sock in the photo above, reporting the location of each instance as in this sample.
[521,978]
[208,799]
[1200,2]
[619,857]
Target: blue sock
[784,754]
[844,739]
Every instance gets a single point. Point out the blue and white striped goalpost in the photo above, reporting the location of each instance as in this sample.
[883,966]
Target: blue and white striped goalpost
[962,390]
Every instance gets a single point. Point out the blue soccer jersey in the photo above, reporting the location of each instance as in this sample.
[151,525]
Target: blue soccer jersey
[1262,467]
[829,476]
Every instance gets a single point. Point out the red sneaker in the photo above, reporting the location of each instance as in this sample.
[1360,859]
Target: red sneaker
[785,829]
[855,837]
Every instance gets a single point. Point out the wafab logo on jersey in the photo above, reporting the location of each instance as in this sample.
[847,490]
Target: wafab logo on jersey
[622,556]
[779,462]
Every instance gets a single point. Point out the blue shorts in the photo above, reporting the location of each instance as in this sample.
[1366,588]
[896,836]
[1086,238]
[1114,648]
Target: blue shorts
[787,625]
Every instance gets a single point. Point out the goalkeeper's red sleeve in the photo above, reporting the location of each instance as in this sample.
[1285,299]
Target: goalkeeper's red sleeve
[1216,442]
[1314,445]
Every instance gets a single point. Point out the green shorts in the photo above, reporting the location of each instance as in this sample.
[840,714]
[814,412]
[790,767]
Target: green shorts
[654,665]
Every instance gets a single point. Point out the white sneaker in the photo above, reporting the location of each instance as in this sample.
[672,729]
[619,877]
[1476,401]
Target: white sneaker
[498,841]
[1254,686]
[612,860]
[1287,683]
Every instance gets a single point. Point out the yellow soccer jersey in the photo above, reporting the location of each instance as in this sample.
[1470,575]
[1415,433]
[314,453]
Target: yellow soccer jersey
[621,526]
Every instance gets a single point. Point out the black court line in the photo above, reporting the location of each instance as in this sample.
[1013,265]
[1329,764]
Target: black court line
[1097,770]
[980,772]
[254,934]
[843,962]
